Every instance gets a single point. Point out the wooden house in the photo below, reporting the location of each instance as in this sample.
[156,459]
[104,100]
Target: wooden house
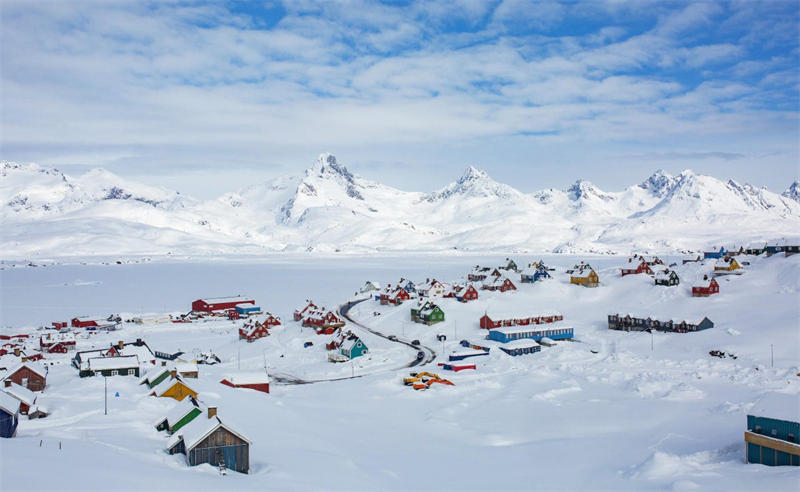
[181,414]
[534,274]
[587,278]
[713,288]
[209,440]
[299,314]
[324,322]
[9,415]
[431,288]
[84,322]
[395,296]
[478,274]
[155,376]
[127,365]
[510,265]
[253,329]
[692,260]
[488,323]
[521,347]
[667,277]
[210,304]
[187,370]
[642,267]
[500,284]
[730,267]
[58,344]
[26,397]
[139,348]
[553,332]
[258,381]
[27,375]
[773,430]
[352,348]
[370,286]
[173,387]
[631,323]
[427,313]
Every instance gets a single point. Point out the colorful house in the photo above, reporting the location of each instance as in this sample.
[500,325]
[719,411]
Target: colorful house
[715,254]
[173,387]
[370,286]
[299,314]
[773,430]
[534,274]
[210,304]
[642,267]
[521,347]
[667,278]
[395,296]
[127,365]
[208,440]
[731,267]
[258,381]
[352,348]
[247,309]
[9,415]
[469,294]
[427,313]
[587,278]
[27,375]
[431,288]
[180,415]
[713,288]
[630,323]
[478,274]
[26,397]
[554,332]
[155,376]
[510,265]
[487,323]
[501,284]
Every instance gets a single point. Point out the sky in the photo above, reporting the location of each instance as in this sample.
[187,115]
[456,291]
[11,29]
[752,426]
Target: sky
[208,97]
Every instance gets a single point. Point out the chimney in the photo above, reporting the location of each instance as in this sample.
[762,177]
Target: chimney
[48,336]
[8,383]
[138,342]
[212,412]
[163,363]
[174,373]
[121,344]
[24,359]
[16,351]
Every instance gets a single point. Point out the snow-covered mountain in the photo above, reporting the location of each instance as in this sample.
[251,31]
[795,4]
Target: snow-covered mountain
[328,208]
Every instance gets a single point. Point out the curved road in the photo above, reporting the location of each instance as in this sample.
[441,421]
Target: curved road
[344,309]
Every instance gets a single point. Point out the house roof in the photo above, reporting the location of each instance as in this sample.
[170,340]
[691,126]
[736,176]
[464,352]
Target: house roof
[21,393]
[8,403]
[781,406]
[248,378]
[105,363]
[584,273]
[186,367]
[32,367]
[497,315]
[180,410]
[469,352]
[520,344]
[198,429]
[348,345]
[509,330]
[88,354]
[219,300]
[153,374]
[143,352]
[166,384]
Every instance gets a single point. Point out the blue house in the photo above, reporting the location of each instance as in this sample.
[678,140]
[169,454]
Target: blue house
[9,415]
[511,333]
[247,309]
[466,354]
[532,274]
[353,348]
[773,430]
[521,347]
[715,254]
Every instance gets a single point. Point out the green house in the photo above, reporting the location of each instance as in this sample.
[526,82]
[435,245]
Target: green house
[353,348]
[155,376]
[127,365]
[668,278]
[428,313]
[183,413]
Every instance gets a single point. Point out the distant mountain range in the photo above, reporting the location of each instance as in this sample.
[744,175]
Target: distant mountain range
[46,213]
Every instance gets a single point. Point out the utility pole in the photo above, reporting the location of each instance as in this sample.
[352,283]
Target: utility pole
[105,396]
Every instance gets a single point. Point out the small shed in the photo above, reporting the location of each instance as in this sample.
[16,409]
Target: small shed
[9,415]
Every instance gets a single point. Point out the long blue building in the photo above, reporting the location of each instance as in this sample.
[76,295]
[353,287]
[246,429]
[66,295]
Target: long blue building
[534,332]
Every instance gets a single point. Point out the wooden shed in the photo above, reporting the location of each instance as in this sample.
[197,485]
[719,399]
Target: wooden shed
[28,376]
[209,440]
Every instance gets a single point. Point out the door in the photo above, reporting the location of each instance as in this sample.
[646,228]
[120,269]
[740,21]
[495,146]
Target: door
[229,456]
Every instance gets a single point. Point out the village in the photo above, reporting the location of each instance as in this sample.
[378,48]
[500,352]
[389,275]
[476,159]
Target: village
[454,332]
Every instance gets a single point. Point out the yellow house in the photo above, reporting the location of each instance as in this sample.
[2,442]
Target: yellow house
[587,278]
[733,265]
[173,388]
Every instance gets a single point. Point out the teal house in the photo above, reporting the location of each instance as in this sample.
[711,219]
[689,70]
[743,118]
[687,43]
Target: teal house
[353,348]
[773,428]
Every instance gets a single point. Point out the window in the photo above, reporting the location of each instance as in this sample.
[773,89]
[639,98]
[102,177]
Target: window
[790,438]
[758,429]
[774,432]
[114,372]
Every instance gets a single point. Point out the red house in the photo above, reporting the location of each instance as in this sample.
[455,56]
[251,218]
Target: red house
[300,313]
[713,288]
[56,345]
[258,381]
[501,284]
[396,296]
[25,396]
[220,303]
[642,268]
[253,332]
[27,376]
[488,323]
[83,322]
[469,295]
[325,323]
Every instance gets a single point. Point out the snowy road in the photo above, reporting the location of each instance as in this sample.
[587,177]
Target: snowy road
[428,354]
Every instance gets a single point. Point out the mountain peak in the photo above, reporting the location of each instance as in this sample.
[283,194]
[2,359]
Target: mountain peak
[793,191]
[582,188]
[472,173]
[476,183]
[659,183]
[326,165]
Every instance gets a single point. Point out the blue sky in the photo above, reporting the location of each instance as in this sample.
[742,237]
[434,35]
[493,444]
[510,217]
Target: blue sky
[205,97]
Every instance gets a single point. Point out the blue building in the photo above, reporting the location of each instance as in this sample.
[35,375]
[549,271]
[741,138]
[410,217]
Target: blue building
[715,254]
[247,309]
[466,354]
[773,430]
[534,274]
[9,415]
[521,347]
[534,332]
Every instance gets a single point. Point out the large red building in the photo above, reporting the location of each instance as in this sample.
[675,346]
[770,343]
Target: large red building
[256,381]
[220,303]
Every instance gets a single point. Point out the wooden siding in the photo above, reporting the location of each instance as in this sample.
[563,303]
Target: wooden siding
[225,445]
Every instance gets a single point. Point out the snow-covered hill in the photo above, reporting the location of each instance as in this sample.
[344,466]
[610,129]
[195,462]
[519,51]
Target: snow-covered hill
[45,212]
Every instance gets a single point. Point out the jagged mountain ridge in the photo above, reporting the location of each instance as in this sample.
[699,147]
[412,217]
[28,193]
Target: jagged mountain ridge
[328,208]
